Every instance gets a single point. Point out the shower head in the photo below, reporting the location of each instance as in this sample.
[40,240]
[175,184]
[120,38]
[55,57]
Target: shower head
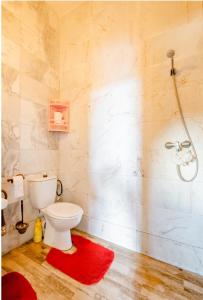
[170,53]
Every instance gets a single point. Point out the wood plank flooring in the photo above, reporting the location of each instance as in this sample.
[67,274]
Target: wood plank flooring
[131,276]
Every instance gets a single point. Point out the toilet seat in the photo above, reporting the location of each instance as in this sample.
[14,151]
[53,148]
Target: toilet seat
[63,210]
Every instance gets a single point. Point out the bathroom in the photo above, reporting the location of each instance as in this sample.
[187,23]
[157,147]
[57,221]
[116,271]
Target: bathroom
[126,145]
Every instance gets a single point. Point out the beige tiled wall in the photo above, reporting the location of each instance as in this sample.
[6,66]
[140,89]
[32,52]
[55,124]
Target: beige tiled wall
[114,72]
[30,78]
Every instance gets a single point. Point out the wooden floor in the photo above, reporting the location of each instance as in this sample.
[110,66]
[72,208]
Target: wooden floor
[131,276]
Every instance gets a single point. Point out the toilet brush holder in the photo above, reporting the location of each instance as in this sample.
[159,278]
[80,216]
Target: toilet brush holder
[21,226]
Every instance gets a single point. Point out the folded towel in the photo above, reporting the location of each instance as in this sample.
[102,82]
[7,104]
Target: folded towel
[18,189]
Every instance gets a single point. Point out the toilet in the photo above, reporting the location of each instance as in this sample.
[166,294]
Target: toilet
[60,216]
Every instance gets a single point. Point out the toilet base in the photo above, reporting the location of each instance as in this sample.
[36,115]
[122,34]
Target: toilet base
[57,239]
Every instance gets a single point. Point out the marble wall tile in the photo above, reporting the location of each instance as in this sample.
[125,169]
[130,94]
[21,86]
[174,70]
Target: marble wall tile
[179,39]
[109,19]
[11,135]
[76,91]
[109,194]
[10,148]
[12,214]
[29,162]
[33,113]
[42,94]
[35,161]
[10,162]
[51,79]
[53,18]
[45,140]
[32,41]
[156,192]
[29,135]
[30,81]
[177,226]
[196,198]
[194,10]
[11,26]
[161,93]
[155,166]
[11,104]
[11,53]
[176,223]
[131,194]
[44,43]
[109,108]
[53,141]
[34,129]
[158,93]
[159,17]
[78,52]
[35,14]
[10,80]
[75,77]
[32,66]
[13,239]
[175,253]
[14,8]
[50,40]
[110,43]
[79,19]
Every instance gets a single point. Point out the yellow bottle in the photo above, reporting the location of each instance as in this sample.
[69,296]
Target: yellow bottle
[38,231]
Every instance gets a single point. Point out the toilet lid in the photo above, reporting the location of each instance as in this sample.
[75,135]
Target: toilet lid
[64,210]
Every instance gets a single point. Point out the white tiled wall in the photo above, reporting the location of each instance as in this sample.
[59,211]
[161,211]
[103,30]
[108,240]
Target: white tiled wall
[30,79]
[115,73]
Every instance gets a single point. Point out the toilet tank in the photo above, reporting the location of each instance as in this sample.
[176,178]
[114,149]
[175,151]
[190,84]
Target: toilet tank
[42,190]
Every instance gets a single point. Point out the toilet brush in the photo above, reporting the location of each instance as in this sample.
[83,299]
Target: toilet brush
[21,226]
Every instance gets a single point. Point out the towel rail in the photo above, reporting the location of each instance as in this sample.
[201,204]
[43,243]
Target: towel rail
[11,179]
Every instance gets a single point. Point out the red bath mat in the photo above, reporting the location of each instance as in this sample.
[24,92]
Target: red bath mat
[87,265]
[16,287]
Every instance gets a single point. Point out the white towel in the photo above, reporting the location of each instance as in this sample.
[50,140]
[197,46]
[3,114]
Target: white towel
[58,117]
[18,189]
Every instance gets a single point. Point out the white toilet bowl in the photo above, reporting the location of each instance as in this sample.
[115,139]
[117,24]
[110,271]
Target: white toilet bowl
[60,218]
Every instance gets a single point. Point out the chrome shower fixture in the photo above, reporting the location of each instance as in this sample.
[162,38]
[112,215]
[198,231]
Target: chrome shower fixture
[186,144]
[170,54]
[178,145]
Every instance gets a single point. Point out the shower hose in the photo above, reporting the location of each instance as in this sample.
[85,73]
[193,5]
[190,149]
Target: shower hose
[178,167]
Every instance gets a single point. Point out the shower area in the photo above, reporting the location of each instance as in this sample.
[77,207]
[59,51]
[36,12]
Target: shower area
[141,94]
[132,73]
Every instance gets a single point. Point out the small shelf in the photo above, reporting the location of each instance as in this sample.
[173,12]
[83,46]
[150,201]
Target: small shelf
[58,105]
[58,116]
[59,129]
